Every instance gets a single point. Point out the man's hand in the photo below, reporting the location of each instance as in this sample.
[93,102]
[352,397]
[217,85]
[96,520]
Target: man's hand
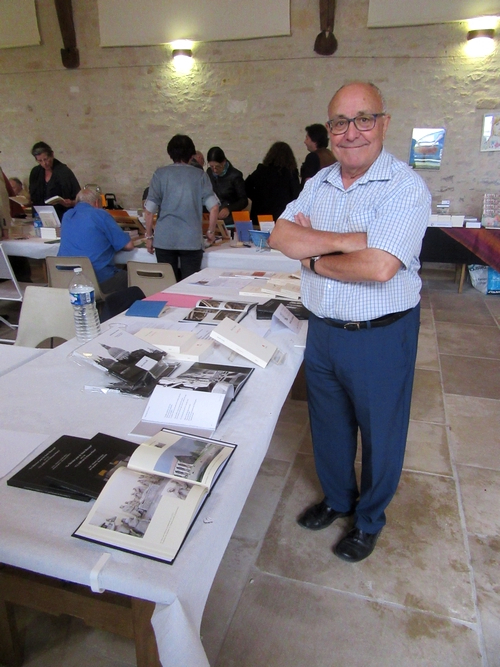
[302,220]
[149,246]
[223,212]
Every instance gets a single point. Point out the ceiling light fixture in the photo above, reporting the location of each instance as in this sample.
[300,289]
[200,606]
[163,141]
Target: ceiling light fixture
[182,55]
[481,35]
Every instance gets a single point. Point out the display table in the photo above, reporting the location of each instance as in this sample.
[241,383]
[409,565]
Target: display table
[12,356]
[36,531]
[218,256]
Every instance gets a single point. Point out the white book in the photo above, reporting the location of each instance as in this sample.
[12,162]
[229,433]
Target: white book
[168,340]
[245,342]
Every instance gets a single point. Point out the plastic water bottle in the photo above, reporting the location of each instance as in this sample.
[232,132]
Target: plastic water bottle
[37,224]
[82,295]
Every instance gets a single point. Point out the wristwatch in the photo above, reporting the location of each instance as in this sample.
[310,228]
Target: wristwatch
[312,262]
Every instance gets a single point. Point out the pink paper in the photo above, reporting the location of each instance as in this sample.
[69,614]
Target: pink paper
[177,300]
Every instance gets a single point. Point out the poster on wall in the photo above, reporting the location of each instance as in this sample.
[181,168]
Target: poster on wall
[427,147]
[490,139]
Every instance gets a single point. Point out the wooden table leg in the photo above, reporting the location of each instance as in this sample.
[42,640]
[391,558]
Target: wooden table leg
[11,650]
[462,278]
[146,650]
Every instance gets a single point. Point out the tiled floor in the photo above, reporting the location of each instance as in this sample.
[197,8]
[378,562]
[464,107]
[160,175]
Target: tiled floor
[430,592]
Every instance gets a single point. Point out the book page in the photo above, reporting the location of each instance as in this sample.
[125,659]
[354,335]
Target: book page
[142,513]
[180,408]
[177,455]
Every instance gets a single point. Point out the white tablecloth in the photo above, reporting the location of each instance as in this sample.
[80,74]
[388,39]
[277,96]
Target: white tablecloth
[13,356]
[35,534]
[219,256]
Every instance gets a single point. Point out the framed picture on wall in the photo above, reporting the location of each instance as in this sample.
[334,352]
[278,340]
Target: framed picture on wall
[427,147]
[490,138]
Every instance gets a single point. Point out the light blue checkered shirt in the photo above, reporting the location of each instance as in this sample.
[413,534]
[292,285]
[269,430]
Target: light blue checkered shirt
[392,205]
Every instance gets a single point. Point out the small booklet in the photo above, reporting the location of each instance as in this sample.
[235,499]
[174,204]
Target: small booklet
[245,342]
[148,507]
[212,311]
[137,366]
[74,467]
[194,401]
[148,308]
[48,216]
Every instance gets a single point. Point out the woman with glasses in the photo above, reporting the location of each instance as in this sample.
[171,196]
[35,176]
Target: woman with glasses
[227,182]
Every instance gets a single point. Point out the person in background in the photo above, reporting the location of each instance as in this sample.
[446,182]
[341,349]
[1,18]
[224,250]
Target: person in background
[17,185]
[357,228]
[178,193]
[320,156]
[51,178]
[227,182]
[88,231]
[197,160]
[274,183]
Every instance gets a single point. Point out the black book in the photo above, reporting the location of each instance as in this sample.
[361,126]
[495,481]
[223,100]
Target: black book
[265,310]
[34,475]
[73,467]
[88,469]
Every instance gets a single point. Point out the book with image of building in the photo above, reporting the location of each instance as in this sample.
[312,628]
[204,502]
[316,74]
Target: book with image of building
[148,507]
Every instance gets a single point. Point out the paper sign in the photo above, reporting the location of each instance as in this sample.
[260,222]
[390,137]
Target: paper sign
[283,315]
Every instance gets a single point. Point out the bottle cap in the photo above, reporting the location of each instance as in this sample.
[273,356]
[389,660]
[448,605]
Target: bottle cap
[78,269]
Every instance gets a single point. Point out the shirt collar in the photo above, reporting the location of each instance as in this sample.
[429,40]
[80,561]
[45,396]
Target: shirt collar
[380,170]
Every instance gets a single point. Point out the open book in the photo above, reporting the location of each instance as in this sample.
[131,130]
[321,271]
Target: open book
[149,507]
[212,311]
[194,401]
[55,200]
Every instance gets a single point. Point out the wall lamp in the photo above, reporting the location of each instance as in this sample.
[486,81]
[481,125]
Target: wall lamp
[182,55]
[481,35]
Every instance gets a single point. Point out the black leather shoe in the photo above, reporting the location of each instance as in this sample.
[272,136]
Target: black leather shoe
[356,545]
[320,516]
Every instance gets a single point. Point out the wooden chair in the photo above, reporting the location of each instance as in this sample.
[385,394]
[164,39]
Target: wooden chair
[10,289]
[46,313]
[60,273]
[150,277]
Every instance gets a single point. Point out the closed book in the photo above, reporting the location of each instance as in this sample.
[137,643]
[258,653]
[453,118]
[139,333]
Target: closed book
[243,341]
[168,340]
[265,311]
[147,309]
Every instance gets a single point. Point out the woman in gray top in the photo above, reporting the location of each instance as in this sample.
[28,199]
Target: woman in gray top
[178,193]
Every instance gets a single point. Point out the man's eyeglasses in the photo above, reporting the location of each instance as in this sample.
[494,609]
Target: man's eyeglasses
[364,123]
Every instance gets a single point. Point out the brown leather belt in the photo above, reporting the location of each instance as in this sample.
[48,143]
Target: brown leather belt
[368,324]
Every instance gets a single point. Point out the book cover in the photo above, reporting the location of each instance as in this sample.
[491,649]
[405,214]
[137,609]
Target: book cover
[148,308]
[87,470]
[149,507]
[35,476]
[245,342]
[126,357]
[180,345]
[194,401]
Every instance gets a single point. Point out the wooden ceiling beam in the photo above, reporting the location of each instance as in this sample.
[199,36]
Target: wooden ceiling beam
[69,54]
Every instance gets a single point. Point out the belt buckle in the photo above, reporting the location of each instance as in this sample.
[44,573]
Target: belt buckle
[352,326]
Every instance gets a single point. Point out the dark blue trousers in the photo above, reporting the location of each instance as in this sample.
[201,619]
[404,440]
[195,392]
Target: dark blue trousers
[360,380]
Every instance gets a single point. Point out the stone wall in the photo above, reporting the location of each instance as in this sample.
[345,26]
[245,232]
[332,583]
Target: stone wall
[110,120]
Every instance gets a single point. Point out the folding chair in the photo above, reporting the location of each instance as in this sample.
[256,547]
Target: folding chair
[150,277]
[10,289]
[46,313]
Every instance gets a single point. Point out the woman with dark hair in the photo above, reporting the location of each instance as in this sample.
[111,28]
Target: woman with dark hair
[178,193]
[51,178]
[274,183]
[227,182]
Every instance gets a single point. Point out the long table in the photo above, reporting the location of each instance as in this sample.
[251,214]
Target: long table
[36,531]
[217,256]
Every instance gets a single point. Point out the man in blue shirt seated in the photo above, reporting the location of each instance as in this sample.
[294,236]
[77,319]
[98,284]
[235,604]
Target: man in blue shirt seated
[88,231]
